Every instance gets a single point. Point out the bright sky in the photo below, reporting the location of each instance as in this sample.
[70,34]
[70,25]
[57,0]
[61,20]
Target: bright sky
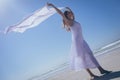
[46,46]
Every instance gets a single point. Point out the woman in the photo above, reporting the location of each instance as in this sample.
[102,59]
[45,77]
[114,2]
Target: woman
[81,55]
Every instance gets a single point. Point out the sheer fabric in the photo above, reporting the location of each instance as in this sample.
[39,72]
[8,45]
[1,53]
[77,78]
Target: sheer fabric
[32,20]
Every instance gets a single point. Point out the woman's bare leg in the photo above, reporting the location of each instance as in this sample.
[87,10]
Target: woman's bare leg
[103,71]
[90,73]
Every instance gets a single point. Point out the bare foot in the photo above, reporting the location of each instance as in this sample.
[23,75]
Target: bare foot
[106,72]
[94,77]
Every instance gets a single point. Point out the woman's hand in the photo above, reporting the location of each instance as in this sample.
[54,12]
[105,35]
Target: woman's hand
[49,4]
[68,8]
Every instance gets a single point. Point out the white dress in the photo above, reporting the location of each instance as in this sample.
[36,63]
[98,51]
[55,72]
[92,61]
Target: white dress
[81,55]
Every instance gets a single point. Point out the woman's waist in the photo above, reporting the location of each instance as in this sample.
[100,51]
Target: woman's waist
[77,38]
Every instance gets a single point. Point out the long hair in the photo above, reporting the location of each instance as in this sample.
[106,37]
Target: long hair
[64,24]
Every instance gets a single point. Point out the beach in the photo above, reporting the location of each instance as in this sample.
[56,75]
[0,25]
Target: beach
[107,56]
[109,61]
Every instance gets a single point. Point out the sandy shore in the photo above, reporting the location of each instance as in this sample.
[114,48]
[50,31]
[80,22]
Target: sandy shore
[109,61]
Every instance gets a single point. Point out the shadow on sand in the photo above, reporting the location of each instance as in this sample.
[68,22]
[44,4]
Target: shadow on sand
[109,76]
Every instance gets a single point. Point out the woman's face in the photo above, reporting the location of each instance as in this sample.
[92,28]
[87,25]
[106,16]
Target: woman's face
[70,15]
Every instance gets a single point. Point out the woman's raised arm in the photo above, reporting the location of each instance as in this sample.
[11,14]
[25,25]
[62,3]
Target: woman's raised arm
[58,10]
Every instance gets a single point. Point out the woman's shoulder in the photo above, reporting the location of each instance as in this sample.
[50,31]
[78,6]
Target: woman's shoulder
[76,22]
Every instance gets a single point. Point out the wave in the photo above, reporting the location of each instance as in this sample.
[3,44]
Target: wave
[107,48]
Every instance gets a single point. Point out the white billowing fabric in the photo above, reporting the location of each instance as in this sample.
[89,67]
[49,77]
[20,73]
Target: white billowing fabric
[33,20]
[81,56]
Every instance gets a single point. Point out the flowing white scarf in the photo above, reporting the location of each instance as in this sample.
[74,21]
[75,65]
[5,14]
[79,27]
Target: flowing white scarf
[32,21]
